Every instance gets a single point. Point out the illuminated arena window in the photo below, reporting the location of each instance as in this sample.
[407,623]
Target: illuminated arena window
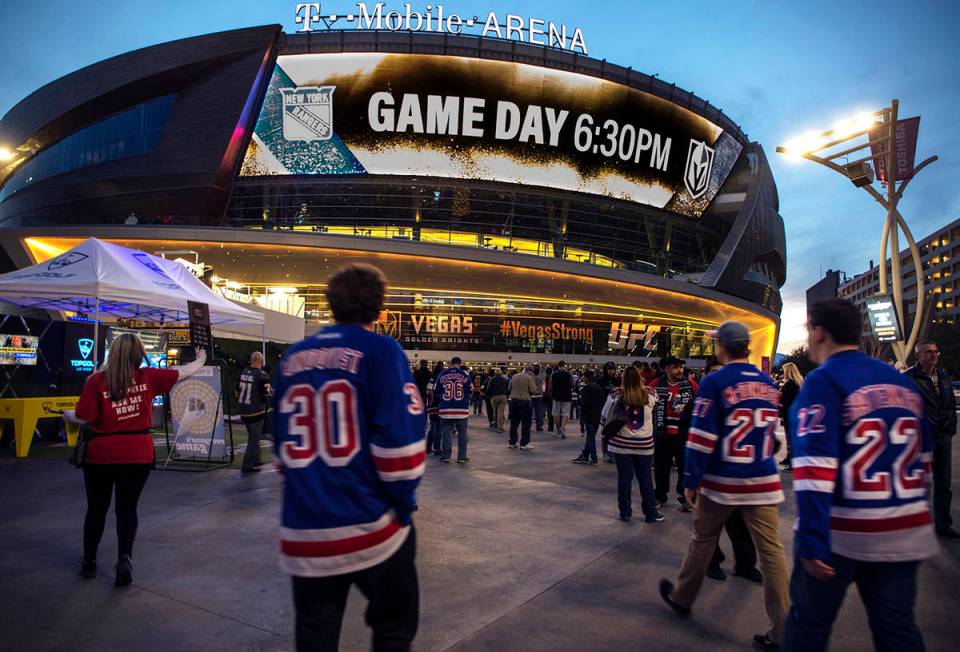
[134,131]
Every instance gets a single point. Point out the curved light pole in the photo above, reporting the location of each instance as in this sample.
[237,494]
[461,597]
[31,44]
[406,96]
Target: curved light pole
[814,148]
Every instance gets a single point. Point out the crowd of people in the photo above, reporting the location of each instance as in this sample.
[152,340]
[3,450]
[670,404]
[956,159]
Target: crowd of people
[355,425]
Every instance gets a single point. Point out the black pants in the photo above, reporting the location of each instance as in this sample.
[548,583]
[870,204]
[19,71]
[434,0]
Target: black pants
[99,481]
[942,470]
[668,449]
[521,415]
[744,552]
[489,404]
[254,426]
[393,611]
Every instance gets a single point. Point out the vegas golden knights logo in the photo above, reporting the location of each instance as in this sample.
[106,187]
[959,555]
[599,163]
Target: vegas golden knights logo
[389,324]
[696,176]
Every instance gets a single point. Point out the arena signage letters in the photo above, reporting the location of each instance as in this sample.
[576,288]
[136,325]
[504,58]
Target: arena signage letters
[534,31]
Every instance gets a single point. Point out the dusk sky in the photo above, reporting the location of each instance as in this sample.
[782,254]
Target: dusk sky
[776,68]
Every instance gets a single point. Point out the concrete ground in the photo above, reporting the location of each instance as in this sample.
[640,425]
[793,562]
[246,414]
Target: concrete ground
[517,551]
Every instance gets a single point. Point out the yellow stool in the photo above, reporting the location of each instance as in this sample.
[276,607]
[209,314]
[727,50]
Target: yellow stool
[25,413]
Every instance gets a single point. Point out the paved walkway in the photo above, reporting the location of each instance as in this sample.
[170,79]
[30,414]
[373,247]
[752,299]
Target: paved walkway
[517,551]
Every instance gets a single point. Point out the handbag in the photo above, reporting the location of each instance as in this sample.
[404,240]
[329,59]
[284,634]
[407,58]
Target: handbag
[79,453]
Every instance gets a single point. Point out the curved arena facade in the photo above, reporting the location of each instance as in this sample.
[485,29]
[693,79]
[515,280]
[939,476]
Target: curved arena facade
[522,200]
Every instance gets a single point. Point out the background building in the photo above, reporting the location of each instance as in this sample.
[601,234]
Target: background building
[940,253]
[827,287]
[523,200]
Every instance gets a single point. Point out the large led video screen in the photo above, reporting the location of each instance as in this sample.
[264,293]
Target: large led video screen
[443,116]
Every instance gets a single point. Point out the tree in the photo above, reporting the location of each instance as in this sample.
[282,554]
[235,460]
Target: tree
[800,357]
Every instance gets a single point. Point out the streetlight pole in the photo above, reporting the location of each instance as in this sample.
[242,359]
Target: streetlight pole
[861,175]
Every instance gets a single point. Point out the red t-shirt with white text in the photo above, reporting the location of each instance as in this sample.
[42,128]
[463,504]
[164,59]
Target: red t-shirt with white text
[132,412]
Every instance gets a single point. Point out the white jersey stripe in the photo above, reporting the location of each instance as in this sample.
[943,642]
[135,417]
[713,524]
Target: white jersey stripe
[410,474]
[818,462]
[824,486]
[399,451]
[916,507]
[697,447]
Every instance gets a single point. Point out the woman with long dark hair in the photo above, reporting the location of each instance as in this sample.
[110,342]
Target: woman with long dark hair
[629,433]
[117,403]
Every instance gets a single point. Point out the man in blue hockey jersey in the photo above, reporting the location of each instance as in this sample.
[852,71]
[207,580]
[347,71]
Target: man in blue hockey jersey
[350,439]
[729,466]
[862,452]
[453,386]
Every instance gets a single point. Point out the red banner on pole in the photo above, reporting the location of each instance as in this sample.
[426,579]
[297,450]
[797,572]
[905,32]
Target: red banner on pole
[906,152]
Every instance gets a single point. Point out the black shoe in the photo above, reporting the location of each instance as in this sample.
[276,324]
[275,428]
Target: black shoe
[624,518]
[580,460]
[761,642]
[445,460]
[463,461]
[751,574]
[124,571]
[948,533]
[252,469]
[88,569]
[656,519]
[666,587]
[716,574]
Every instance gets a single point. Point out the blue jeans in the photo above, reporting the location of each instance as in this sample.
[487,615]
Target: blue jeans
[449,427]
[629,466]
[520,415]
[888,591]
[536,403]
[433,435]
[590,446]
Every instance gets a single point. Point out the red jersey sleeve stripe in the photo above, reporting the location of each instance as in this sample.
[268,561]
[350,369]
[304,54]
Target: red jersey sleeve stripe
[906,522]
[814,473]
[701,441]
[390,464]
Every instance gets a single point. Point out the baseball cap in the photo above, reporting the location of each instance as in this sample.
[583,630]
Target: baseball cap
[731,333]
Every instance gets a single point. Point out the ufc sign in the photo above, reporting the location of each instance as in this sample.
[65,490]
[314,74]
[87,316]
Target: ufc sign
[627,336]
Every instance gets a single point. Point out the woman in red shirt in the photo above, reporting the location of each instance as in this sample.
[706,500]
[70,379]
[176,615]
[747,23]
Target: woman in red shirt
[117,404]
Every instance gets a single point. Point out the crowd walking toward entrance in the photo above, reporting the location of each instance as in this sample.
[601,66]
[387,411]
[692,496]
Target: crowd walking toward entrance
[355,428]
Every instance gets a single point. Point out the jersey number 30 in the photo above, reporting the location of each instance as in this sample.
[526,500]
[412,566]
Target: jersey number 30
[322,422]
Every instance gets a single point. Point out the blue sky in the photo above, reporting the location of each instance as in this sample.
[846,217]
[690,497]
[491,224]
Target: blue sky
[777,68]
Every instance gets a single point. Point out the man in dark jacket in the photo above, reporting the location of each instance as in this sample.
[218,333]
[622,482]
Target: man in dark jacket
[941,411]
[674,391]
[422,377]
[592,398]
[561,394]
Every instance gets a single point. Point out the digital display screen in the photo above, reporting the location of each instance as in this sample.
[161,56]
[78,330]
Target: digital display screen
[18,349]
[458,117]
[883,318]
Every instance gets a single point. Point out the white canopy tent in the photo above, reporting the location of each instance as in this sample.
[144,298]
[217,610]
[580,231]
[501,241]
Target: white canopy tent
[98,278]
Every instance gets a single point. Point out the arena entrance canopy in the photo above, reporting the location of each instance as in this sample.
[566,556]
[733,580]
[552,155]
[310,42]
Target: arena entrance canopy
[99,278]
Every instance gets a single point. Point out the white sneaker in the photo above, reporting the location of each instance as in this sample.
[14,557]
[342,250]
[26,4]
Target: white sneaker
[527,447]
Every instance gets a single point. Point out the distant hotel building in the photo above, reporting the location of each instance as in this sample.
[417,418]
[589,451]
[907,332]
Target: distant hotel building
[940,253]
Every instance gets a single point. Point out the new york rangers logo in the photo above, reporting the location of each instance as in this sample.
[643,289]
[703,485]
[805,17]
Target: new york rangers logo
[696,176]
[308,113]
